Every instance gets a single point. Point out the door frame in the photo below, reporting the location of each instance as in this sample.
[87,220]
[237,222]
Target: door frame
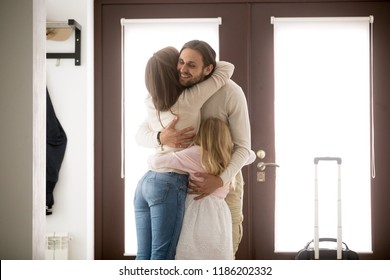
[108,203]
[109,187]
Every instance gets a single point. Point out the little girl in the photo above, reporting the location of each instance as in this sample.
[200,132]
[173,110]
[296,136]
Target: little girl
[207,227]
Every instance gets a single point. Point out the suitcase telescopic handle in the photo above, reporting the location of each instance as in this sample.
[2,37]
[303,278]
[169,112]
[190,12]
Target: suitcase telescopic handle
[326,239]
[317,159]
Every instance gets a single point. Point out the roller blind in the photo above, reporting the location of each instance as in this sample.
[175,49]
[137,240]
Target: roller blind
[322,108]
[140,39]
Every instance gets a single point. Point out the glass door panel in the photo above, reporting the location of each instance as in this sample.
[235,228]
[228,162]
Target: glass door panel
[322,108]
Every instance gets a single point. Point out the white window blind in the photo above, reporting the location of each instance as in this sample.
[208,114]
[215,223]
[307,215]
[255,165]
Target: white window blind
[140,39]
[322,108]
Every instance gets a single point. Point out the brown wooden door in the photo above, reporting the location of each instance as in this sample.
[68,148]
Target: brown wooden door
[246,39]
[260,198]
[234,47]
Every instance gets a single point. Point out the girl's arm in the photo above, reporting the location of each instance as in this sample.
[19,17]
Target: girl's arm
[187,160]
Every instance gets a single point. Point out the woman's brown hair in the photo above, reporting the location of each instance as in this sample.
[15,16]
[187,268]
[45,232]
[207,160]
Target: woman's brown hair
[161,78]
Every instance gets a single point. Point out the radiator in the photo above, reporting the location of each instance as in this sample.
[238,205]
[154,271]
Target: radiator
[57,246]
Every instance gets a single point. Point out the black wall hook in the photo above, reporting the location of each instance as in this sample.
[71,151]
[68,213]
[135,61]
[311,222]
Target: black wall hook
[77,54]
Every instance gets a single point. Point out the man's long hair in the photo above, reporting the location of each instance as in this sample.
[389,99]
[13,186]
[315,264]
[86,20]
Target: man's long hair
[207,52]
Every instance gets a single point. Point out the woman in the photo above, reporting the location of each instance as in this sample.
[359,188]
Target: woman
[207,226]
[160,194]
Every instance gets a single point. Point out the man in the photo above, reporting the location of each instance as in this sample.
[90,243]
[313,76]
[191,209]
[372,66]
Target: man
[228,104]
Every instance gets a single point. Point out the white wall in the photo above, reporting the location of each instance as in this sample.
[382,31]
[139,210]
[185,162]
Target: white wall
[71,91]
[22,126]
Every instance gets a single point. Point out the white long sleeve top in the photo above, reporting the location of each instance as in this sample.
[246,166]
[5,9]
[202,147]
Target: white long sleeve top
[187,108]
[229,104]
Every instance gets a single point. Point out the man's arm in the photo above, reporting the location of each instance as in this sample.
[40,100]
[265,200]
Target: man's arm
[210,182]
[177,138]
[241,134]
[238,119]
[169,136]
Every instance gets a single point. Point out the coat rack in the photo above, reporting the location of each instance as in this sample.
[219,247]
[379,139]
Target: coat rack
[77,27]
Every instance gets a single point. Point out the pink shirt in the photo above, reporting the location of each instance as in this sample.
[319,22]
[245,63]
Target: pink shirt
[187,160]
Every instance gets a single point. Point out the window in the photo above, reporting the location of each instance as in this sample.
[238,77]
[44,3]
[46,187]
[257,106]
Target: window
[322,108]
[141,38]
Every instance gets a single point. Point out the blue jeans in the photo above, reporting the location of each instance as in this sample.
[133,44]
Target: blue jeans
[159,203]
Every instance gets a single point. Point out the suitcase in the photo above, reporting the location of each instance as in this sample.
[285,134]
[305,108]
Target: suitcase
[315,252]
[307,253]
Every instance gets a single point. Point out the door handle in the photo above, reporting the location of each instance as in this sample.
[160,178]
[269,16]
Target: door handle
[263,165]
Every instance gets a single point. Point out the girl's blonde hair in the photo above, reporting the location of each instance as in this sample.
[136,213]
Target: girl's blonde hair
[216,144]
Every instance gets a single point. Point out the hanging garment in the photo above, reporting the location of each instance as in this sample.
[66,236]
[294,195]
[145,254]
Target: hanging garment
[55,150]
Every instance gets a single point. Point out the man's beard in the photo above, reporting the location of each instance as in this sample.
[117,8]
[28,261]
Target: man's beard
[190,82]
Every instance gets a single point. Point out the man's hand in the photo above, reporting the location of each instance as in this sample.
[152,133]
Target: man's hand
[177,138]
[204,188]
